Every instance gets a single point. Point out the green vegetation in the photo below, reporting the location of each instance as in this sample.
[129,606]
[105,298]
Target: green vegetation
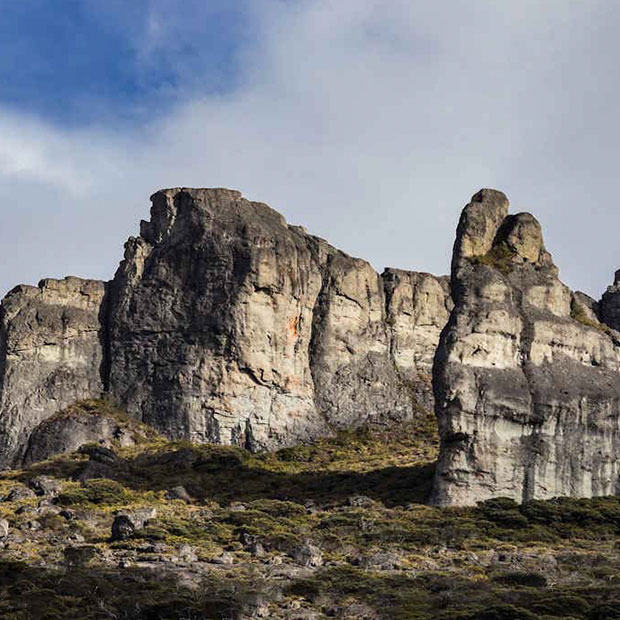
[578,313]
[358,498]
[500,257]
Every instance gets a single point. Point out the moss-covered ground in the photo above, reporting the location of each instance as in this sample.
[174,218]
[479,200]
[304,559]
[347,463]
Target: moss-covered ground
[239,548]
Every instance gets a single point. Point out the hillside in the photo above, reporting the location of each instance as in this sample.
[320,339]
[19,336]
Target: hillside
[337,529]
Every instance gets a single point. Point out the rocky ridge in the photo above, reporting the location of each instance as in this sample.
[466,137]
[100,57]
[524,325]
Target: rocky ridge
[223,324]
[526,375]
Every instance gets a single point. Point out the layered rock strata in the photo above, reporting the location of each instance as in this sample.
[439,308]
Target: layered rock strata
[526,376]
[223,324]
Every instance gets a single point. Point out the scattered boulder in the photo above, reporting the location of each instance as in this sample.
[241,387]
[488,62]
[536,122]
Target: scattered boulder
[86,423]
[45,486]
[307,555]
[99,454]
[20,493]
[225,558]
[141,516]
[126,522]
[381,560]
[179,493]
[94,470]
[123,528]
[187,553]
[4,528]
[361,501]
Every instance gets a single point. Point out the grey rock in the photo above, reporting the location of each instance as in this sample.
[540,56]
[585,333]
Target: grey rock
[100,454]
[179,493]
[382,560]
[80,556]
[187,553]
[50,355]
[71,430]
[123,528]
[45,486]
[361,501]
[223,324]
[526,379]
[229,326]
[94,469]
[4,528]
[140,516]
[307,555]
[609,306]
[225,558]
[20,493]
[32,525]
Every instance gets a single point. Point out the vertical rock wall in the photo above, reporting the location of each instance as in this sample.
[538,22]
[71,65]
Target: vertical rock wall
[526,378]
[228,325]
[50,355]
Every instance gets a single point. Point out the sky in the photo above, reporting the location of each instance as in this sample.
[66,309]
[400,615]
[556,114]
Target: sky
[369,122]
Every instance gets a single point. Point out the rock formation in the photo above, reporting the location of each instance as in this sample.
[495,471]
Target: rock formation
[227,325]
[50,355]
[223,324]
[526,375]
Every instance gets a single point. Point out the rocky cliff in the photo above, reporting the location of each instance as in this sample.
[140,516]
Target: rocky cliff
[228,325]
[526,375]
[223,324]
[51,355]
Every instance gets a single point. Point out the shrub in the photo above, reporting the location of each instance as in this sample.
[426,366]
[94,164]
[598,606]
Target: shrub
[504,612]
[97,491]
[504,512]
[561,605]
[500,257]
[530,580]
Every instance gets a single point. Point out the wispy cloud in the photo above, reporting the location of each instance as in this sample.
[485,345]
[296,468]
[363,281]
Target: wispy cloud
[369,126]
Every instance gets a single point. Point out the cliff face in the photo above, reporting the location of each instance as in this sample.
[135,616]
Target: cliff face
[526,378]
[50,355]
[227,325]
[223,324]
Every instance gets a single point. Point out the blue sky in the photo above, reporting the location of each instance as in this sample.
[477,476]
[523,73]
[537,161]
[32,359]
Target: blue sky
[370,122]
[75,62]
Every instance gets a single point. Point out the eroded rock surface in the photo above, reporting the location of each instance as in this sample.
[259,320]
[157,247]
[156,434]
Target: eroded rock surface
[50,355]
[526,378]
[223,324]
[228,325]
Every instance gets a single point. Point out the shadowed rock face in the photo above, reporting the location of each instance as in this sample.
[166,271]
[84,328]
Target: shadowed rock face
[223,324]
[50,355]
[227,325]
[526,377]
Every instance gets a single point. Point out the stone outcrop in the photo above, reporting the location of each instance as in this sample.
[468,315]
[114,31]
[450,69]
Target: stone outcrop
[50,355]
[526,376]
[89,422]
[223,324]
[228,325]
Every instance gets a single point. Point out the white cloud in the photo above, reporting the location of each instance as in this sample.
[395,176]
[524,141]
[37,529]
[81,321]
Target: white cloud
[370,123]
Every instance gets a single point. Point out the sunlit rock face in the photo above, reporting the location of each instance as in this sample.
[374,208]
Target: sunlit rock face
[526,377]
[51,355]
[228,325]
